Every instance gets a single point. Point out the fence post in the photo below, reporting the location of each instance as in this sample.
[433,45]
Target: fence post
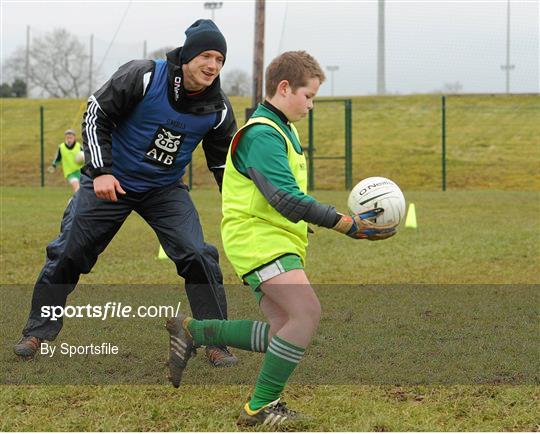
[443,141]
[348,144]
[311,175]
[42,146]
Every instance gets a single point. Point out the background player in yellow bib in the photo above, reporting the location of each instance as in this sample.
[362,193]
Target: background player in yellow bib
[266,211]
[69,155]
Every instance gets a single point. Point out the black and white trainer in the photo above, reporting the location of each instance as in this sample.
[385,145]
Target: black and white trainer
[273,414]
[180,347]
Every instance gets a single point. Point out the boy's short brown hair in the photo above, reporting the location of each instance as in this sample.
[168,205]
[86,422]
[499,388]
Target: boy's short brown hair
[297,67]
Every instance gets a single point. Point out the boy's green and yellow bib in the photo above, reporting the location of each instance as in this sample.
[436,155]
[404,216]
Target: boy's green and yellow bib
[69,165]
[253,232]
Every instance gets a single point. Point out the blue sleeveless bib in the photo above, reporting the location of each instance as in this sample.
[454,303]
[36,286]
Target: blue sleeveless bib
[153,145]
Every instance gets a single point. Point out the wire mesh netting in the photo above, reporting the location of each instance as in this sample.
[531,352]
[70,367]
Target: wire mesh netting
[491,140]
[452,47]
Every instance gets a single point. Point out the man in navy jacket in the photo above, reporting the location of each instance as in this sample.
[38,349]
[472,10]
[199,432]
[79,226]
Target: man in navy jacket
[139,132]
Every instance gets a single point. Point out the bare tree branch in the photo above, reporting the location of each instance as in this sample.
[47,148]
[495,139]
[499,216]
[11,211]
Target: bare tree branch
[236,83]
[58,64]
[160,53]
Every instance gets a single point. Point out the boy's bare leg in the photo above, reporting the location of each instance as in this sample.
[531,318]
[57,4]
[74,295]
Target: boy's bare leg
[74,185]
[291,296]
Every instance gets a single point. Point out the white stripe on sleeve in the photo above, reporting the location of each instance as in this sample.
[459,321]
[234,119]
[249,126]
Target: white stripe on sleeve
[223,115]
[91,133]
[146,80]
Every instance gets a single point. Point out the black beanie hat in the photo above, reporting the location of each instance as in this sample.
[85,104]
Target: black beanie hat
[201,36]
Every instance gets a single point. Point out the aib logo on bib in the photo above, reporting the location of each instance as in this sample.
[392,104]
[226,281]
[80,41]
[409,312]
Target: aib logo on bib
[164,147]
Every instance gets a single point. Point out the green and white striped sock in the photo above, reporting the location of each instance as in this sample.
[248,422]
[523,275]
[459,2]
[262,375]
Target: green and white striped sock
[244,334]
[280,360]
[259,336]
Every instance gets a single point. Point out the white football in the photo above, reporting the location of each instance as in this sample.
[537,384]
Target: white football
[378,192]
[79,157]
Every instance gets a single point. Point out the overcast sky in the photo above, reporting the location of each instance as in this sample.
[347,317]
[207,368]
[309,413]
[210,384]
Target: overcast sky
[428,43]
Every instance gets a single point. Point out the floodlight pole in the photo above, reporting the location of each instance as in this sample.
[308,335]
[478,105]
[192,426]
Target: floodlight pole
[508,66]
[213,6]
[381,67]
[332,69]
[27,65]
[258,58]
[90,65]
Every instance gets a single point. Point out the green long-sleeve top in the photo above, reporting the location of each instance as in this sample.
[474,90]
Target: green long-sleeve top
[258,158]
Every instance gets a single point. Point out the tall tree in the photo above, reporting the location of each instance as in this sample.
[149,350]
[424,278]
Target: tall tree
[58,65]
[15,90]
[236,82]
[5,90]
[454,87]
[18,88]
[160,53]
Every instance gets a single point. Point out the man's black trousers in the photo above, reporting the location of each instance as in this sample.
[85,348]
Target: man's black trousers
[89,224]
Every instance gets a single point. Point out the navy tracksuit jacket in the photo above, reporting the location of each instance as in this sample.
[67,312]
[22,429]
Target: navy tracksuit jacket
[142,127]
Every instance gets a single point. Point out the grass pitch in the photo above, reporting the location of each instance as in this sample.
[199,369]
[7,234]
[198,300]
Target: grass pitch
[417,357]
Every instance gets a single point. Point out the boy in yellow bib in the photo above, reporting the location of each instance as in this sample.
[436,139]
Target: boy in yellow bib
[265,215]
[69,155]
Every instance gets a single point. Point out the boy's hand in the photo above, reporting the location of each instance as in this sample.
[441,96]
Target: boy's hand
[51,169]
[106,187]
[357,226]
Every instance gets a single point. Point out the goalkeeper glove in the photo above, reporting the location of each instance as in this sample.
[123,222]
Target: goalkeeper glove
[359,227]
